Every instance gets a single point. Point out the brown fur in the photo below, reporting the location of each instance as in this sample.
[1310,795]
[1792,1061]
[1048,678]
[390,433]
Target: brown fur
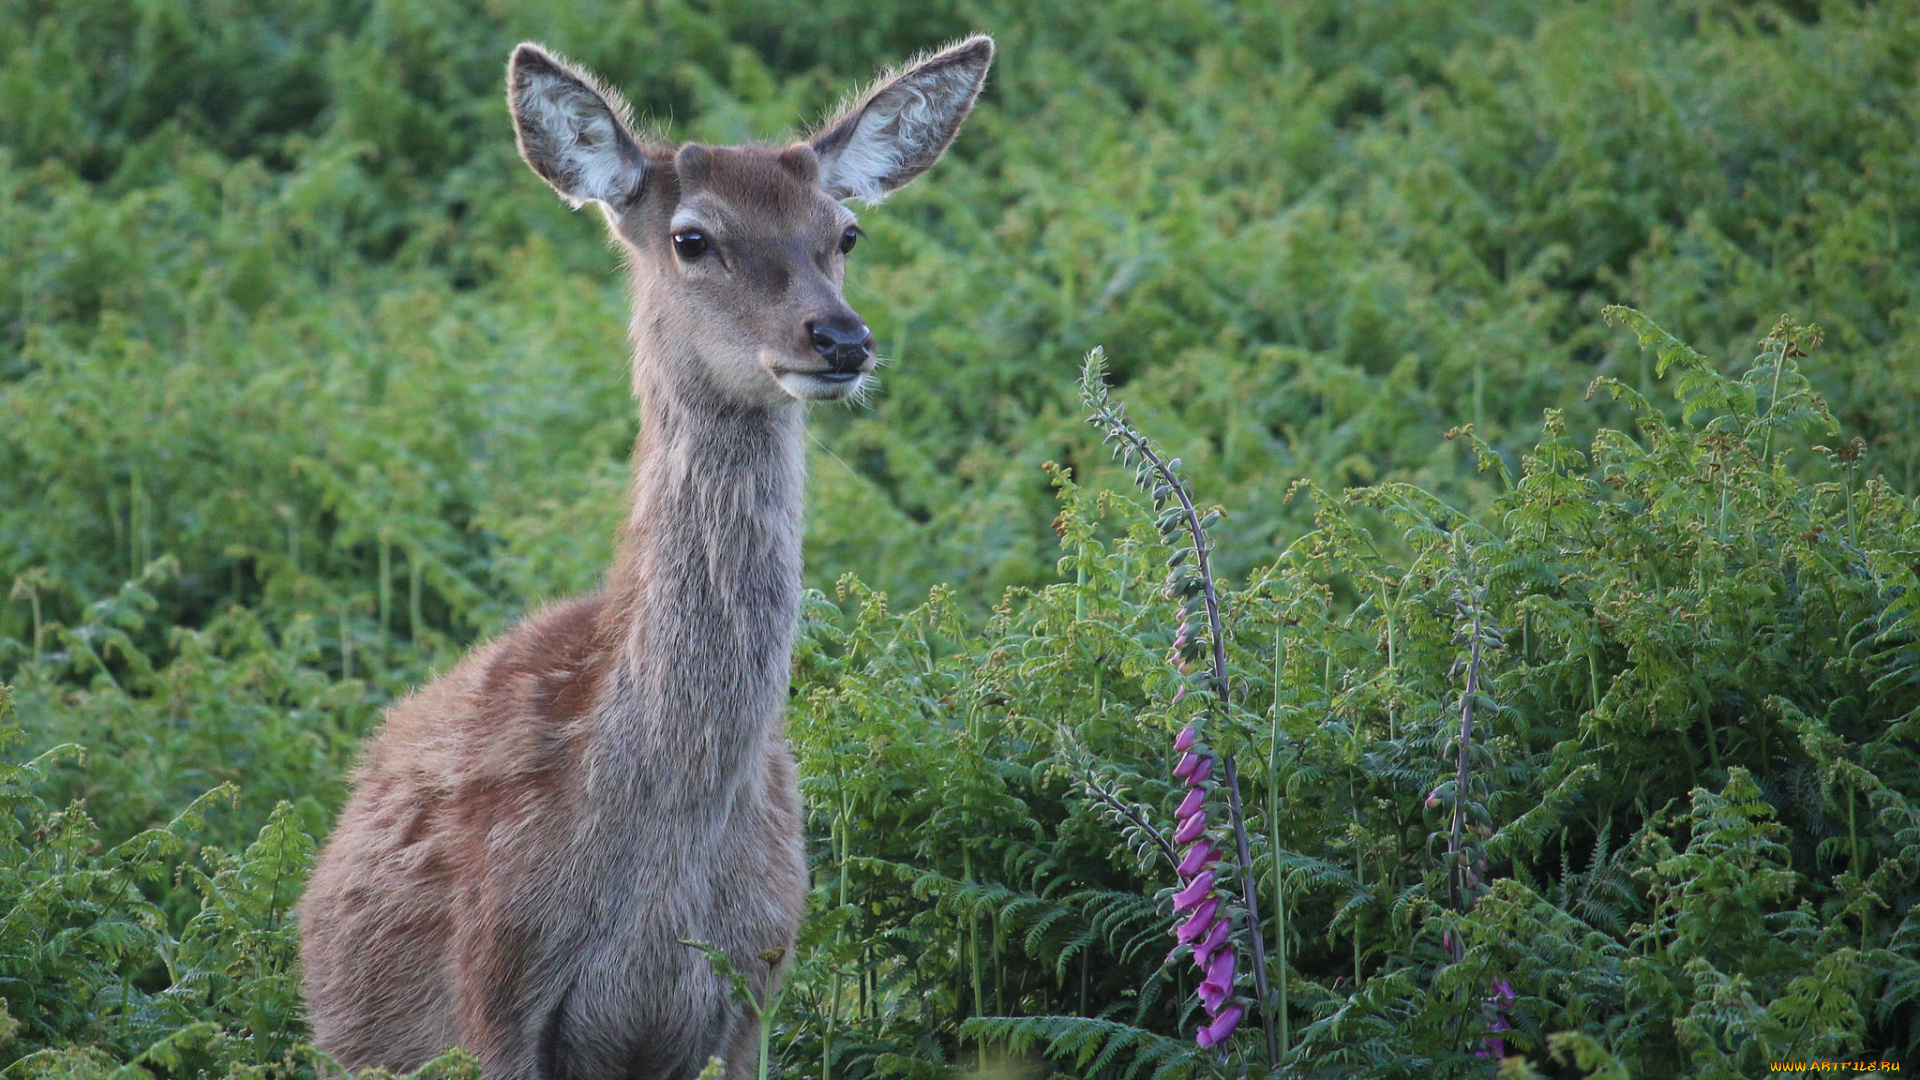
[532,836]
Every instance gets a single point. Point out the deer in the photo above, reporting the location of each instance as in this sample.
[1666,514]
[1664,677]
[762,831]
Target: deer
[533,838]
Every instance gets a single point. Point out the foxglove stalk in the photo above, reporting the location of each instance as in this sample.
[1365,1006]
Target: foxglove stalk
[1207,927]
[1501,999]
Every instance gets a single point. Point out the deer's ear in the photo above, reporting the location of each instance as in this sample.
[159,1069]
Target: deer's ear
[573,131]
[900,127]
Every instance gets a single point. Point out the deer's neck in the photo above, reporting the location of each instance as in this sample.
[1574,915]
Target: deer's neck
[705,590]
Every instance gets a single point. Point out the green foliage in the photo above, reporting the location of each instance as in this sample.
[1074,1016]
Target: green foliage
[1675,858]
[306,385]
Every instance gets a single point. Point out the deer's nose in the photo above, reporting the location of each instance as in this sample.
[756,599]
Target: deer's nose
[844,344]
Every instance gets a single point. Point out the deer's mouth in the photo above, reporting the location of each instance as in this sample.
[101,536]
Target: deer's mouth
[819,385]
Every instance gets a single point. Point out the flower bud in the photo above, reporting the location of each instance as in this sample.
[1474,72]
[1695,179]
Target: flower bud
[1200,773]
[1189,898]
[1433,799]
[1183,742]
[1188,762]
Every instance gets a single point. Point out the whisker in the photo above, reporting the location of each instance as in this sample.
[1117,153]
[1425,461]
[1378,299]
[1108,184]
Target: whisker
[827,450]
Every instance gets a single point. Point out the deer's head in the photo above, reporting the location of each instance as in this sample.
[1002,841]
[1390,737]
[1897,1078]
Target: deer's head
[739,252]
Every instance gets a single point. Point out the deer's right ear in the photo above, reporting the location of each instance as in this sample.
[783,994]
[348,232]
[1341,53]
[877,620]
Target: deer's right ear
[573,131]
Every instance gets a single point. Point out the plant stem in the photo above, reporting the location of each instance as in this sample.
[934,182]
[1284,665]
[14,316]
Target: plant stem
[1479,394]
[1713,744]
[137,530]
[1456,842]
[1280,949]
[1593,674]
[766,1033]
[1083,981]
[1273,839]
[1853,839]
[833,999]
[999,966]
[973,938]
[1253,906]
[1359,877]
[386,589]
[39,631]
[414,628]
[1080,586]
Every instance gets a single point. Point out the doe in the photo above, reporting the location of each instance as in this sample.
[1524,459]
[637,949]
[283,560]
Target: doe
[532,836]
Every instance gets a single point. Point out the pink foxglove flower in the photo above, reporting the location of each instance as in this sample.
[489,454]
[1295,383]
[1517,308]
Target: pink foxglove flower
[1493,1046]
[1194,803]
[1189,898]
[1216,939]
[1197,923]
[1198,857]
[1223,1024]
[1218,985]
[1188,763]
[1201,772]
[1191,829]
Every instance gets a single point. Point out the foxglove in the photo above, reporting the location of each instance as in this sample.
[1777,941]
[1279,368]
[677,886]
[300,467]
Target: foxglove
[1218,984]
[1196,891]
[1199,856]
[1198,924]
[1493,1046]
[1222,1026]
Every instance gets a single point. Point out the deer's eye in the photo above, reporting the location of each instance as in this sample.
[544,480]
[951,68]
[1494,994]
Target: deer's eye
[690,244]
[848,239]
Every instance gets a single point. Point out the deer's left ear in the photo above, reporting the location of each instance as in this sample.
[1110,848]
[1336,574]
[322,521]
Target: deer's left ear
[900,127]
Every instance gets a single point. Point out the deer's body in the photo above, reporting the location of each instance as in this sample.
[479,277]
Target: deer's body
[534,835]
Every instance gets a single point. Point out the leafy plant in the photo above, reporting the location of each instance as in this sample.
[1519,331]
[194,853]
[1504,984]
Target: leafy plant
[304,389]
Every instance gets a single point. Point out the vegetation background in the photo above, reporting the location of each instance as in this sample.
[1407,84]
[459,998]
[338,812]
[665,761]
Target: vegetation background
[306,384]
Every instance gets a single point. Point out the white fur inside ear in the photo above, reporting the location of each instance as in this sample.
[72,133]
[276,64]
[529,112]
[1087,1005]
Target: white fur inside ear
[878,148]
[573,139]
[899,131]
